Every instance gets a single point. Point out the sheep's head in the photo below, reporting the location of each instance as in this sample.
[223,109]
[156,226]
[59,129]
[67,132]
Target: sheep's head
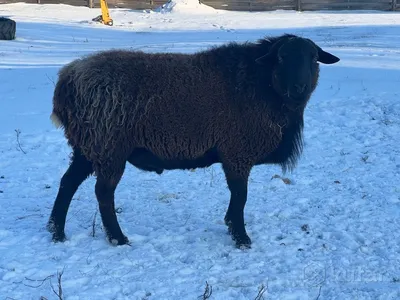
[295,68]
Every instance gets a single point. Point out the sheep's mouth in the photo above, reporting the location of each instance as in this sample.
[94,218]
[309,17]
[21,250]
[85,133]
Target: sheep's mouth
[294,101]
[295,97]
[290,95]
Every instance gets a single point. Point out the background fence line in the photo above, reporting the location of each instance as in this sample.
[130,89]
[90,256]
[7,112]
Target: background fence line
[240,5]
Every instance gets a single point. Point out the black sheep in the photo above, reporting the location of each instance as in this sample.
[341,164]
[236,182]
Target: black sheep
[240,105]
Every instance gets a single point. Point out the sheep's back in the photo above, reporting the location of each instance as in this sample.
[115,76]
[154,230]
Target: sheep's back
[160,101]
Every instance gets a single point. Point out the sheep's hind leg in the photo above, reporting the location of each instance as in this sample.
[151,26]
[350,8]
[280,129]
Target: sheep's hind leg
[106,185]
[237,179]
[79,169]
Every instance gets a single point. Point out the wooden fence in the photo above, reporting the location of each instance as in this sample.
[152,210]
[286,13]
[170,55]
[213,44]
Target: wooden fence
[304,5]
[241,5]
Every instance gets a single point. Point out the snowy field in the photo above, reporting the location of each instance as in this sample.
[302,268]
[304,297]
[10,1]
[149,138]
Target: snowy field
[332,232]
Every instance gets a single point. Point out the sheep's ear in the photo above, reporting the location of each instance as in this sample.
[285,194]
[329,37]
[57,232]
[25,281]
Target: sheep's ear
[273,51]
[326,57]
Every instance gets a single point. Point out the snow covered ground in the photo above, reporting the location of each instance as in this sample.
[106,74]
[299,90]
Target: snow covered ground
[332,233]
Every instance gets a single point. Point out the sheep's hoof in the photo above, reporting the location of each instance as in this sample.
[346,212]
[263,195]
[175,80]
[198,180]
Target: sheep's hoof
[242,241]
[243,244]
[58,237]
[57,234]
[241,238]
[119,242]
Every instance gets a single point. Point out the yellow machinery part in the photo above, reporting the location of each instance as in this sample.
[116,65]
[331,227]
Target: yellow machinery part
[105,15]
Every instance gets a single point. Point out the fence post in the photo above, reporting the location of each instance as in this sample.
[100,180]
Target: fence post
[298,5]
[394,4]
[90,3]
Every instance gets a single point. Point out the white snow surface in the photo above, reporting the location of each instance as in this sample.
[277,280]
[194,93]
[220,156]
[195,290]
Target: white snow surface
[188,6]
[332,233]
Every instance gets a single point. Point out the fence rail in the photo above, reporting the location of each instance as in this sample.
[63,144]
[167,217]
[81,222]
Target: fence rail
[240,5]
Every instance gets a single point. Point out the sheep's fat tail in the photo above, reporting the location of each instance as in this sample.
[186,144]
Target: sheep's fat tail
[56,120]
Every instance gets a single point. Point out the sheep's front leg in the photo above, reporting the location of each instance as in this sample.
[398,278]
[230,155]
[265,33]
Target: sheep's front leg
[237,179]
[105,189]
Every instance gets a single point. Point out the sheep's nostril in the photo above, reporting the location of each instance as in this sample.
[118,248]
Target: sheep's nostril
[300,87]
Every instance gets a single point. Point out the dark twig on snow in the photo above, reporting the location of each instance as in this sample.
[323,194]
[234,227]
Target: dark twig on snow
[261,290]
[59,294]
[50,79]
[319,292]
[207,292]
[28,216]
[42,281]
[18,132]
[94,224]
